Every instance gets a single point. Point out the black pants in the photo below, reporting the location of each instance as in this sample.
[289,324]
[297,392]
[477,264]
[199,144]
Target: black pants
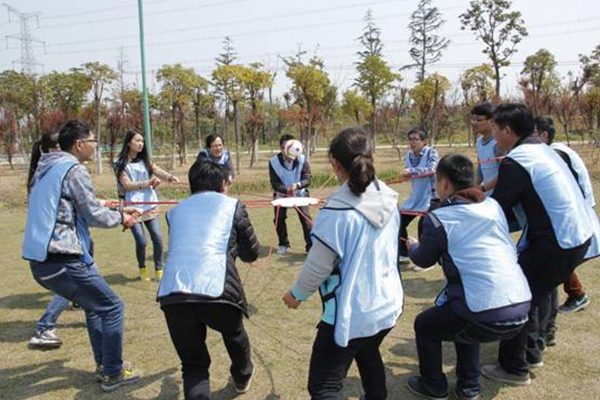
[281,226]
[329,364]
[405,220]
[545,268]
[187,324]
[438,324]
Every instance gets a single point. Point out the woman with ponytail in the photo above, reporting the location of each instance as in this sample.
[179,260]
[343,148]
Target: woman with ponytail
[352,278]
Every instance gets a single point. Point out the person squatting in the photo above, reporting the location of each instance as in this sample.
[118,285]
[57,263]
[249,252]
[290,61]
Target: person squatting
[495,290]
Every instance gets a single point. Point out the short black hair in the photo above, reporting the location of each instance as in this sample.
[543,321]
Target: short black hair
[419,131]
[516,116]
[206,176]
[483,109]
[458,169]
[71,132]
[546,124]
[211,138]
[285,138]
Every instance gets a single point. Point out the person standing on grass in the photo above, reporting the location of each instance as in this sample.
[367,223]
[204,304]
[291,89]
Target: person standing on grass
[486,297]
[555,238]
[290,176]
[61,208]
[214,151]
[137,177]
[201,286]
[420,160]
[353,264]
[487,150]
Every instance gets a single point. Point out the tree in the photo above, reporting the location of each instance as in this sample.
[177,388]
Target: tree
[355,106]
[566,104]
[591,68]
[428,99]
[20,95]
[540,78]
[477,84]
[99,75]
[427,46]
[67,91]
[203,103]
[8,136]
[227,57]
[498,28]
[374,76]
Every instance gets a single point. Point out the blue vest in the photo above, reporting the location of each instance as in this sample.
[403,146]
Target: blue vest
[480,246]
[558,191]
[421,188]
[42,212]
[289,176]
[486,153]
[364,296]
[137,172]
[199,231]
[222,160]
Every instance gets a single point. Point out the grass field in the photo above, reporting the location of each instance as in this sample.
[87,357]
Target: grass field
[281,339]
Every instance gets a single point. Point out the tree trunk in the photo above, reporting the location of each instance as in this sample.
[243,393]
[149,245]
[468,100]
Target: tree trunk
[173,135]
[237,137]
[98,136]
[374,111]
[497,78]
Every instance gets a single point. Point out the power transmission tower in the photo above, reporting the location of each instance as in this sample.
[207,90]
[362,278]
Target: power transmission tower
[27,60]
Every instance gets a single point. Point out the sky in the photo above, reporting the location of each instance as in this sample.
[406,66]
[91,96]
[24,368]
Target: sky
[191,32]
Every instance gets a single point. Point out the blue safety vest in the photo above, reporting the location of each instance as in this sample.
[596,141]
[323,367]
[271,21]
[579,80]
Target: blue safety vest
[42,212]
[137,172]
[199,231]
[222,160]
[487,153]
[421,188]
[289,176]
[480,246]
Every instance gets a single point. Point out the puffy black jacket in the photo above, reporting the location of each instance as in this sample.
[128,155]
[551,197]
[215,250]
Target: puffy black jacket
[243,244]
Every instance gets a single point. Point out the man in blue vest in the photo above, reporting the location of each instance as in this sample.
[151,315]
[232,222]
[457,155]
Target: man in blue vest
[486,297]
[420,163]
[556,235]
[201,286]
[62,207]
[290,176]
[487,150]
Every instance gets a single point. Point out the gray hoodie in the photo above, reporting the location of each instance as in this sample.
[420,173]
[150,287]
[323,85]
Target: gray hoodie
[377,204]
[77,198]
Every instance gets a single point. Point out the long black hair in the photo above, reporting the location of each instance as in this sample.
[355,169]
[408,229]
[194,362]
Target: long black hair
[47,142]
[123,160]
[351,148]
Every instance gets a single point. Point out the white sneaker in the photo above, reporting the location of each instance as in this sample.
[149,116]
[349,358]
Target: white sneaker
[281,250]
[416,268]
[403,260]
[45,340]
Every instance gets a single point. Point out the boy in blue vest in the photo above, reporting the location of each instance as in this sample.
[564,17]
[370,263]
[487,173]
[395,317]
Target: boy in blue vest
[486,297]
[201,286]
[556,235]
[487,151]
[62,207]
[420,160]
[290,176]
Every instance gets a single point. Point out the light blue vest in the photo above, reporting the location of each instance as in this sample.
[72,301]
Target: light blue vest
[558,191]
[222,160]
[289,176]
[42,211]
[421,188]
[486,153]
[137,172]
[365,295]
[199,231]
[480,246]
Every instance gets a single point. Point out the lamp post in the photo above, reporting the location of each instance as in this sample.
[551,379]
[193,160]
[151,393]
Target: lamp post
[147,128]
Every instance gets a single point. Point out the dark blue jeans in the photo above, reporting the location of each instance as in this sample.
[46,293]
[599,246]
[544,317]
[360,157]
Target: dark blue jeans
[153,227]
[438,324]
[104,310]
[55,307]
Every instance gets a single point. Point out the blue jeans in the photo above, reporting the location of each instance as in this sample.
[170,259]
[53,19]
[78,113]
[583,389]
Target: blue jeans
[104,310]
[55,307]
[153,227]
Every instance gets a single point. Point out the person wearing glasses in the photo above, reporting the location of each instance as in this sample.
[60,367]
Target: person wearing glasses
[487,151]
[137,177]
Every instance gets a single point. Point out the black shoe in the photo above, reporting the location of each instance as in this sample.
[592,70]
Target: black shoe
[244,386]
[416,386]
[551,339]
[461,395]
[573,304]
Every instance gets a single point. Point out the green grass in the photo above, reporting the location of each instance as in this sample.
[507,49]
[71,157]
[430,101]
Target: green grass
[281,339]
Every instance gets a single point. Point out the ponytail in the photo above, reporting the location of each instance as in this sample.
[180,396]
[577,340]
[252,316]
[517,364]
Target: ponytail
[36,154]
[362,173]
[351,148]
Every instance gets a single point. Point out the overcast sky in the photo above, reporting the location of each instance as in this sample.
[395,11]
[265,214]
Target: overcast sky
[191,32]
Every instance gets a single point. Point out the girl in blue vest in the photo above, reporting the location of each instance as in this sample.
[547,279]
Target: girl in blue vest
[420,159]
[215,151]
[137,177]
[201,286]
[486,297]
[353,264]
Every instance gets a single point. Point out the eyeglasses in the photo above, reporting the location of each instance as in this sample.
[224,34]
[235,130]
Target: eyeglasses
[479,119]
[89,140]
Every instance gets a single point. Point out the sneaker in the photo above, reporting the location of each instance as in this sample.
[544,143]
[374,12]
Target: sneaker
[416,268]
[403,260]
[496,373]
[416,386]
[45,340]
[243,387]
[537,364]
[158,275]
[125,377]
[573,304]
[282,250]
[461,395]
[550,339]
[144,274]
[98,374]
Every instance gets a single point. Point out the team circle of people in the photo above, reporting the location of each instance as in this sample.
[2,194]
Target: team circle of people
[495,290]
